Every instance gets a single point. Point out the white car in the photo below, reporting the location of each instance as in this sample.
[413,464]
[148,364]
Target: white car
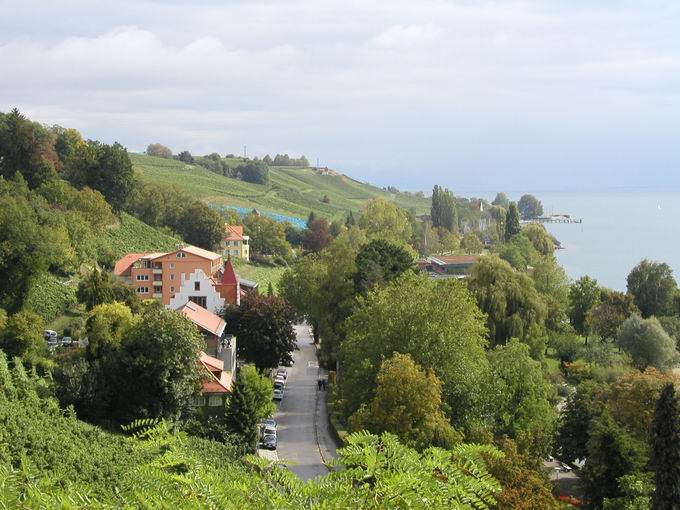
[278,393]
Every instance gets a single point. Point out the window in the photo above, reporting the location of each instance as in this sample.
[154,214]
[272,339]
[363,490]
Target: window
[197,285]
[199,300]
[172,276]
[142,290]
[181,255]
[172,265]
[172,289]
[142,277]
[214,400]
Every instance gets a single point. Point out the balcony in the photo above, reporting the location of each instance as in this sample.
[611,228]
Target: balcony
[158,283]
[157,270]
[157,295]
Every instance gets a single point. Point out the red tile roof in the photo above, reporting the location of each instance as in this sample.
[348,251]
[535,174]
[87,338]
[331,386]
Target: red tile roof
[204,319]
[233,232]
[216,379]
[200,252]
[124,264]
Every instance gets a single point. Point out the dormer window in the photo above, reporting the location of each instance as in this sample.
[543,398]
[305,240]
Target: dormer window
[181,255]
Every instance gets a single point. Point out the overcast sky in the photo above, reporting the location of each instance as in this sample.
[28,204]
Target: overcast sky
[529,95]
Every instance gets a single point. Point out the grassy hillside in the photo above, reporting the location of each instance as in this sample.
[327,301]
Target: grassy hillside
[292,191]
[132,235]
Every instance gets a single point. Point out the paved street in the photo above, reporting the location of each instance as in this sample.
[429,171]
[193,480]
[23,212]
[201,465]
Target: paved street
[297,431]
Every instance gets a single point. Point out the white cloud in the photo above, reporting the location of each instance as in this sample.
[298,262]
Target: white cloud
[362,84]
[400,37]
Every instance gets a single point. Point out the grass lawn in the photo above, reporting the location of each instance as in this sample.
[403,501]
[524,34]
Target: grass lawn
[260,273]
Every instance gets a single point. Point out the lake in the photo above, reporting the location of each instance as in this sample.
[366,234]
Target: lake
[619,229]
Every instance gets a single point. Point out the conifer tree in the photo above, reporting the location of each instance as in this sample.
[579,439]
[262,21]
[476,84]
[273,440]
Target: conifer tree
[242,413]
[311,219]
[270,289]
[350,221]
[512,226]
[666,451]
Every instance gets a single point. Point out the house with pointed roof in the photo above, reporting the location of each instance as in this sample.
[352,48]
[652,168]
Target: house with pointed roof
[216,384]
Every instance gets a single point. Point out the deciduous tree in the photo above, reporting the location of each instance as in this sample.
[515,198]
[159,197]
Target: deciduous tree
[584,294]
[653,288]
[378,263]
[159,150]
[665,459]
[407,403]
[263,326]
[647,343]
[529,207]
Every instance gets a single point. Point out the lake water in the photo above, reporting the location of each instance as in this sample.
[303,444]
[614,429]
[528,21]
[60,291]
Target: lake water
[618,230]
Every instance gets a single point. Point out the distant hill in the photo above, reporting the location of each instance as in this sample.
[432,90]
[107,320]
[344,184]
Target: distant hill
[292,191]
[132,235]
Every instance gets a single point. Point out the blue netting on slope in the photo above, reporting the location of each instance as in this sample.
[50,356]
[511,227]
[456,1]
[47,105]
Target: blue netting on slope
[281,218]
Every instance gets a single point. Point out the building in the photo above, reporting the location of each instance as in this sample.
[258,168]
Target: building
[235,244]
[216,384]
[161,275]
[448,266]
[210,325]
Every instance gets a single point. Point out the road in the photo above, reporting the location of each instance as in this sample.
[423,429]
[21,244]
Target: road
[303,437]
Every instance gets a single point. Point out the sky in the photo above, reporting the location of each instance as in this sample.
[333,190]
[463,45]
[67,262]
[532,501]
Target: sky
[483,96]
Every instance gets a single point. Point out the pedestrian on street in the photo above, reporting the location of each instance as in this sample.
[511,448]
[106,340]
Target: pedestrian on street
[319,383]
[323,384]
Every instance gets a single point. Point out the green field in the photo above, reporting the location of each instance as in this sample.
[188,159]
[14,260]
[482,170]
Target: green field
[132,235]
[260,274]
[292,191]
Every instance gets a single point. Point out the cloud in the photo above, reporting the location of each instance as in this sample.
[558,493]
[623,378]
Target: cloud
[363,85]
[400,37]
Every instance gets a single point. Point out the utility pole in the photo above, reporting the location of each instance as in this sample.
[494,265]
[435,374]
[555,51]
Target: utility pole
[244,152]
[317,163]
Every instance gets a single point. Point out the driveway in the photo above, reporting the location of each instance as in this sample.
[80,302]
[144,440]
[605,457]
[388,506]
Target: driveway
[303,438]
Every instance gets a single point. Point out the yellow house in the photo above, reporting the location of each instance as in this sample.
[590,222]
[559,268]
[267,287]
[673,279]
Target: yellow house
[235,243]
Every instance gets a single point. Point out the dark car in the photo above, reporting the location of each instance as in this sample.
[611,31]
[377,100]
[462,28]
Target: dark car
[269,441]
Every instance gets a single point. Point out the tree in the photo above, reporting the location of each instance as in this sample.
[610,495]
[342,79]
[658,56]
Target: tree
[512,226]
[584,294]
[378,263]
[647,343]
[318,235]
[520,253]
[665,459]
[202,226]
[542,241]
[158,374]
[443,210]
[310,219]
[350,221]
[525,485]
[256,172]
[606,317]
[612,454]
[501,200]
[552,282]
[22,337]
[524,409]
[267,236]
[186,157]
[636,491]
[107,325]
[573,431]
[653,288]
[382,219]
[299,286]
[27,148]
[509,300]
[671,325]
[407,403]
[249,403]
[471,243]
[105,168]
[159,150]
[95,289]
[435,321]
[264,328]
[529,207]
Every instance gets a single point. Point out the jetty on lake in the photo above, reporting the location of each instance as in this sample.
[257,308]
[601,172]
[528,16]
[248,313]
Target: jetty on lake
[554,218]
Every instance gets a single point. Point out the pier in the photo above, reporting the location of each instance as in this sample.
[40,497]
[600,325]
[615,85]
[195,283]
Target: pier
[554,218]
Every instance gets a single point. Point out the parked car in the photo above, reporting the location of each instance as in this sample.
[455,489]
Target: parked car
[50,335]
[280,380]
[269,423]
[278,393]
[282,372]
[267,430]
[269,441]
[67,341]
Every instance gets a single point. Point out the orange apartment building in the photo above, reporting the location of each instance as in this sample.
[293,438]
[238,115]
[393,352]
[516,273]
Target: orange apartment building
[160,275]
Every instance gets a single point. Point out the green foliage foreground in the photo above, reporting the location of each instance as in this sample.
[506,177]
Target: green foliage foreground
[50,460]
